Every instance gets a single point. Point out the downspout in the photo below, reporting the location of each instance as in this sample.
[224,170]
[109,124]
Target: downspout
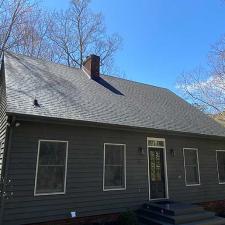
[6,157]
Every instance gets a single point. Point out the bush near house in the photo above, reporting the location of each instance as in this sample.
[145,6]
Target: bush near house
[127,218]
[215,206]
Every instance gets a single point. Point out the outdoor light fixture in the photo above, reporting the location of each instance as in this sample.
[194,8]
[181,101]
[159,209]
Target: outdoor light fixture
[17,124]
[141,150]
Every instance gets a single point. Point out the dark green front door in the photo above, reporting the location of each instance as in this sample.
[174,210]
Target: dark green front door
[156,173]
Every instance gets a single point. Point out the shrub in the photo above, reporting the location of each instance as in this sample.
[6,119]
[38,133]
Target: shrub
[215,206]
[127,218]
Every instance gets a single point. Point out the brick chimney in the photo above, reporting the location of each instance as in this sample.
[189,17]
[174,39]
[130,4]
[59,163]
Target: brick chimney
[92,66]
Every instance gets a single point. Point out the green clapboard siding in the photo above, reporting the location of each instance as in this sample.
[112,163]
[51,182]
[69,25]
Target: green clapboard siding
[84,192]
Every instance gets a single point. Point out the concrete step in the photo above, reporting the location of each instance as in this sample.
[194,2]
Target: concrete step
[173,208]
[150,221]
[211,221]
[176,219]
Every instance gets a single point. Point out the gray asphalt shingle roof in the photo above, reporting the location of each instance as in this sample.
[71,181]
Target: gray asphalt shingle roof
[68,93]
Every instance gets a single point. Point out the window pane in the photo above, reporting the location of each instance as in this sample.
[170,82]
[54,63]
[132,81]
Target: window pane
[50,179]
[114,154]
[155,164]
[52,153]
[51,167]
[192,175]
[114,176]
[221,166]
[155,143]
[191,166]
[114,166]
[190,157]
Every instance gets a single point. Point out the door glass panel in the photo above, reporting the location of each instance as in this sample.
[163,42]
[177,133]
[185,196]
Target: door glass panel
[157,178]
[153,166]
[158,166]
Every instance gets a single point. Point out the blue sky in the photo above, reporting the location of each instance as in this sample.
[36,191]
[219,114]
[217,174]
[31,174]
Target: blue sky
[161,38]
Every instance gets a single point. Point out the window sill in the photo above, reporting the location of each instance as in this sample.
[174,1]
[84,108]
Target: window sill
[192,185]
[45,194]
[114,189]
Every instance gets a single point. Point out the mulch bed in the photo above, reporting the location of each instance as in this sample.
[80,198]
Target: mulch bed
[107,219]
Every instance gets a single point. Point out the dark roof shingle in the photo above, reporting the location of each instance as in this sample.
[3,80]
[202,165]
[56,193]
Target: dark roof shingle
[68,93]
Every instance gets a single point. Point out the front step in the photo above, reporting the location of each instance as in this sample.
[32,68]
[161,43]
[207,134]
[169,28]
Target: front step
[179,219]
[173,208]
[212,221]
[167,213]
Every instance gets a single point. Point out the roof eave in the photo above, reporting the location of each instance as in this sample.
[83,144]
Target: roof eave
[70,122]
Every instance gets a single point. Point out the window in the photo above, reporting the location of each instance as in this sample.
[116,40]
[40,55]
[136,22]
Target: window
[51,167]
[114,172]
[220,156]
[156,142]
[191,166]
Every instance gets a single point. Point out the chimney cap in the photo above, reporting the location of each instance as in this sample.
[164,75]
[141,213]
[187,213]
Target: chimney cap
[92,56]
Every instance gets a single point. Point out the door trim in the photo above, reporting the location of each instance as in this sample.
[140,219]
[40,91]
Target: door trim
[165,168]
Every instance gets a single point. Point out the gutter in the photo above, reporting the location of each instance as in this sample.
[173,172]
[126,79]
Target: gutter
[5,165]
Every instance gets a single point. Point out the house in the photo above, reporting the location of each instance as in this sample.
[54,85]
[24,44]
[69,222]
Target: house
[78,143]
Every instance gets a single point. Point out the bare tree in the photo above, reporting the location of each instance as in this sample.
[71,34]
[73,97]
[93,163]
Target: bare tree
[24,29]
[205,87]
[78,32]
[66,37]
[12,15]
[34,39]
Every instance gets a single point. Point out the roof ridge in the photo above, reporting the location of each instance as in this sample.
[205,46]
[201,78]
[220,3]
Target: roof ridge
[40,60]
[60,64]
[134,81]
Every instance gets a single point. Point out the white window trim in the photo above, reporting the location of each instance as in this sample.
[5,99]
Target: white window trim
[218,166]
[165,167]
[35,186]
[125,173]
[185,173]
